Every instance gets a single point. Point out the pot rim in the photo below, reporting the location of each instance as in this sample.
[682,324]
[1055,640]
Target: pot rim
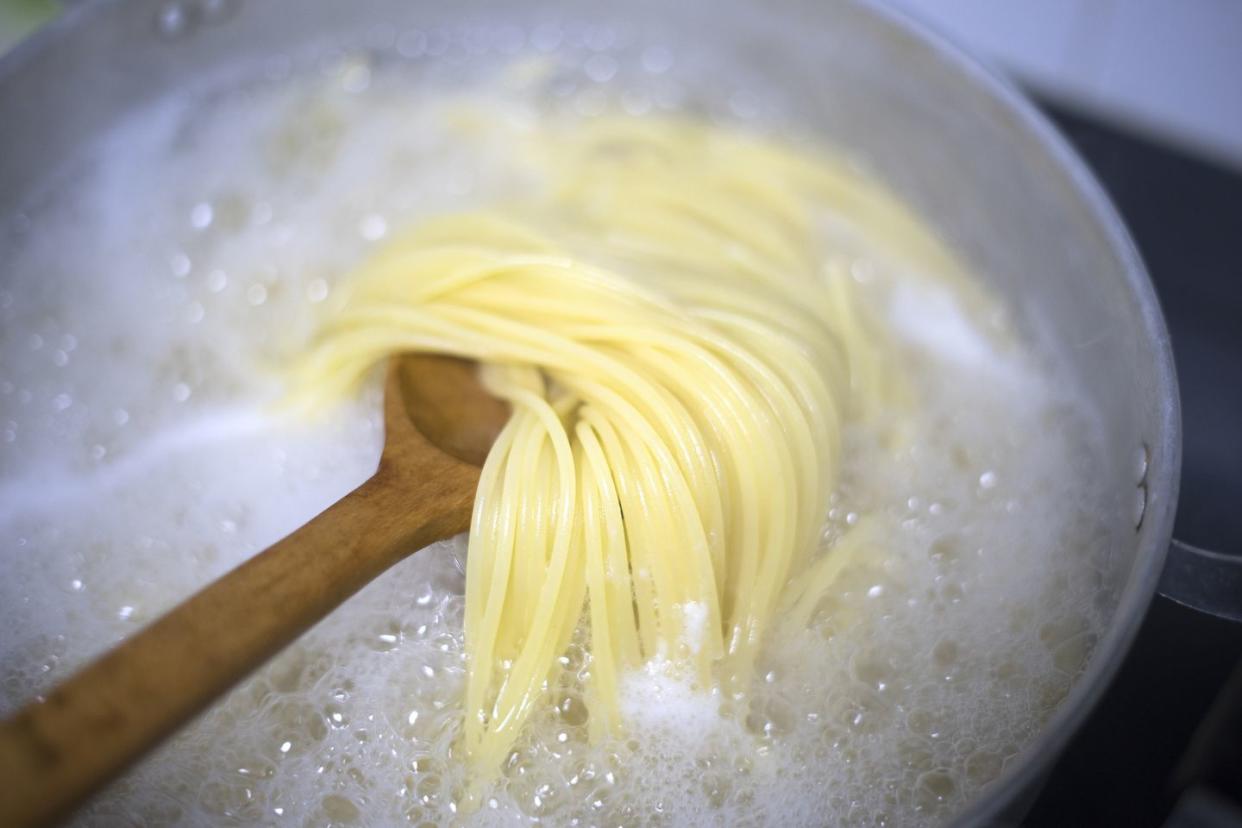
[1038,755]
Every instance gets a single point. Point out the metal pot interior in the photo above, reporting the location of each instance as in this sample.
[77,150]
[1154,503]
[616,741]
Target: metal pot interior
[963,148]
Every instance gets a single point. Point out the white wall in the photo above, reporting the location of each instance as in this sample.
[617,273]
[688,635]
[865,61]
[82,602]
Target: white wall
[1170,67]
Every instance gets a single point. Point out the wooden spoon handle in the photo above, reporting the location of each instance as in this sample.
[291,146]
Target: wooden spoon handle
[56,753]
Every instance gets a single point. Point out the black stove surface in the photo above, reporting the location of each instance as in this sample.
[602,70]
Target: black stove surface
[1164,747]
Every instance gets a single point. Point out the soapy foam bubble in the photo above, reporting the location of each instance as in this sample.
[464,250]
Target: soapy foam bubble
[138,364]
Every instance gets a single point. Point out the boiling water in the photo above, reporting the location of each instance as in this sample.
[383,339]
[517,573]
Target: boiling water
[148,303]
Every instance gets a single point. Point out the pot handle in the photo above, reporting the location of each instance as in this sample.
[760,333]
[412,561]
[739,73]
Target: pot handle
[1210,582]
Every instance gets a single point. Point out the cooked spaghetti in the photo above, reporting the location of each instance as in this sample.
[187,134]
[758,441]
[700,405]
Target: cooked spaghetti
[679,360]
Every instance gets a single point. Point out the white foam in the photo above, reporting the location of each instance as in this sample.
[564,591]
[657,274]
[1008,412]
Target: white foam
[50,489]
[657,699]
[695,618]
[930,318]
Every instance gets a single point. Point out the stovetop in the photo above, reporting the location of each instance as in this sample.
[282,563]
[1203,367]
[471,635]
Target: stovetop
[1164,746]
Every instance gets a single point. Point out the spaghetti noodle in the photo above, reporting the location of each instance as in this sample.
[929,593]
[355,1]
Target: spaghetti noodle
[679,361]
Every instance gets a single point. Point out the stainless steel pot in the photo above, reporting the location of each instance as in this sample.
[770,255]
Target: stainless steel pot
[962,146]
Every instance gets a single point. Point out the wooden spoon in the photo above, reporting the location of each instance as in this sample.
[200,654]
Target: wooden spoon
[439,424]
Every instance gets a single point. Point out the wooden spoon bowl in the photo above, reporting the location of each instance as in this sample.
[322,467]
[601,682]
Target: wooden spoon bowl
[439,425]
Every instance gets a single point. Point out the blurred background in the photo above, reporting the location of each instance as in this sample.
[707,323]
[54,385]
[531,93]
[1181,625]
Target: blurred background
[1168,68]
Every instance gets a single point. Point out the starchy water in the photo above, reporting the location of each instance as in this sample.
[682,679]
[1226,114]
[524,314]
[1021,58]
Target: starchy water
[155,289]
